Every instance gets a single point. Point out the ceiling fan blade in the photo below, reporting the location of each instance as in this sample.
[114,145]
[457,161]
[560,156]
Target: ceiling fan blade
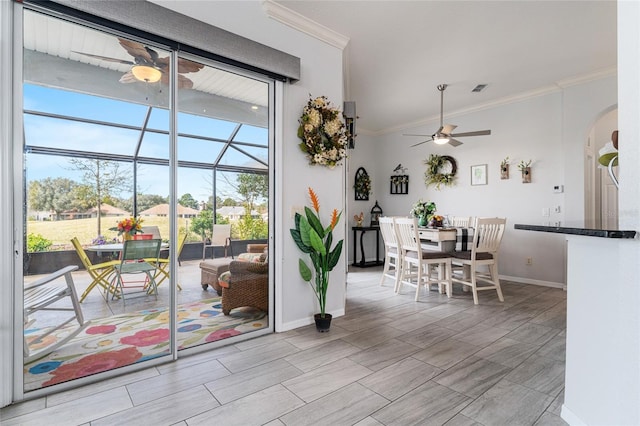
[105,58]
[420,143]
[454,142]
[413,134]
[447,129]
[137,50]
[476,133]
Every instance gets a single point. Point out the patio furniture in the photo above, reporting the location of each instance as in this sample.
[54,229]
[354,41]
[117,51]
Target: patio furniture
[245,284]
[100,273]
[138,257]
[220,237]
[163,263]
[40,296]
[211,269]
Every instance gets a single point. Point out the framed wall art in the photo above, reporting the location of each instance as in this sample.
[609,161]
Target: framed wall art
[479,174]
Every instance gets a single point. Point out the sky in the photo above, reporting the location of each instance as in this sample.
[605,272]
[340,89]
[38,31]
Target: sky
[72,135]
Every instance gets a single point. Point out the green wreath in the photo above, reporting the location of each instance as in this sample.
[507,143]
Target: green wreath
[434,175]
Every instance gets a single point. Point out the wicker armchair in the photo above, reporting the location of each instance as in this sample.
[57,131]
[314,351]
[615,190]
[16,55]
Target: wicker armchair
[248,285]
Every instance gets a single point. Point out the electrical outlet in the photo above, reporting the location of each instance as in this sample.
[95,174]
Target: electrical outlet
[529,260]
[556,209]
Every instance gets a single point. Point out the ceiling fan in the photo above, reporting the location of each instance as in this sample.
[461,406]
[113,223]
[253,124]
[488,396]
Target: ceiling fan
[148,67]
[444,135]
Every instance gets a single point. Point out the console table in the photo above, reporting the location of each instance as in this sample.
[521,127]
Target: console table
[363,262]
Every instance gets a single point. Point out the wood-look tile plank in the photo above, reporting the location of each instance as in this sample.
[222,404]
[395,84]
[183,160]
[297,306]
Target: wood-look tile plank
[427,336]
[362,322]
[461,420]
[365,339]
[163,411]
[186,361]
[480,335]
[246,382]
[253,410]
[548,419]
[309,336]
[163,385]
[446,353]
[533,334]
[554,348]
[346,406]
[368,421]
[386,353]
[326,379]
[255,356]
[413,322]
[397,379]
[473,376]
[508,352]
[318,356]
[508,404]
[556,405]
[76,412]
[545,375]
[429,404]
[21,408]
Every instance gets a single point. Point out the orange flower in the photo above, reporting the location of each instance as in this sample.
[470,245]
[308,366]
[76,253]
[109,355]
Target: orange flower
[314,200]
[334,218]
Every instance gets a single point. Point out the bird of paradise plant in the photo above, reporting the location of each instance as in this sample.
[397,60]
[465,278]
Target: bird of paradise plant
[313,238]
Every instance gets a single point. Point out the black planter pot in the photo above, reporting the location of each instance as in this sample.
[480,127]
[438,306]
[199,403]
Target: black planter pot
[323,324]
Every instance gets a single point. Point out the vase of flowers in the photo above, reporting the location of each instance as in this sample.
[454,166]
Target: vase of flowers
[128,227]
[423,210]
[313,238]
[323,133]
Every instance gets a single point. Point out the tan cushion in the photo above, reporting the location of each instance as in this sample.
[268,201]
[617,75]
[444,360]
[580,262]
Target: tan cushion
[223,279]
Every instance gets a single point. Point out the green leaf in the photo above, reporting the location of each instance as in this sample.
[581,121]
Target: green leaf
[305,272]
[305,230]
[295,234]
[316,242]
[334,256]
[314,221]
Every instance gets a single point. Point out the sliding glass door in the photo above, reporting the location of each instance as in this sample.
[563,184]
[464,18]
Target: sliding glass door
[122,132]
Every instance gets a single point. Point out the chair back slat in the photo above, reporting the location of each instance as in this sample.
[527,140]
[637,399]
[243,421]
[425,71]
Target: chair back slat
[81,253]
[407,234]
[460,221]
[141,249]
[488,235]
[388,231]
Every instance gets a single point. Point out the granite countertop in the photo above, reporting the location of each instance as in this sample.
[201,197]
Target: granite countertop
[603,233]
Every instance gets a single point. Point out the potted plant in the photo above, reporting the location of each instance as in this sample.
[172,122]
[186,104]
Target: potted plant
[128,227]
[504,168]
[423,210]
[313,238]
[525,169]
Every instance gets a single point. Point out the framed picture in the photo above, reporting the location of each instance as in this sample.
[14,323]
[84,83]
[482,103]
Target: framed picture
[479,174]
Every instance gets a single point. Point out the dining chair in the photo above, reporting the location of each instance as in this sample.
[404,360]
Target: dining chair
[418,262]
[163,263]
[392,259]
[487,236]
[221,237]
[460,221]
[44,295]
[100,273]
[138,257]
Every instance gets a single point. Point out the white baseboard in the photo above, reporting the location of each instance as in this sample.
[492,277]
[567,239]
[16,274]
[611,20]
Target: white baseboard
[534,282]
[569,417]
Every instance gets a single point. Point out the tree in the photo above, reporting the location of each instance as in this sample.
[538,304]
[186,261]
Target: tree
[252,187]
[52,194]
[102,178]
[203,223]
[187,200]
[144,201]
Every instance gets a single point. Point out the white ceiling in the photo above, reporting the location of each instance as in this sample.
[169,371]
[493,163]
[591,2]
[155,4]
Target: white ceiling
[399,51]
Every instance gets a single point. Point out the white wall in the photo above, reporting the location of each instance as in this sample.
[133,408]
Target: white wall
[536,128]
[321,74]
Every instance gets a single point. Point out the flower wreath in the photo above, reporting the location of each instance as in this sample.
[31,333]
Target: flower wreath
[323,133]
[433,174]
[363,185]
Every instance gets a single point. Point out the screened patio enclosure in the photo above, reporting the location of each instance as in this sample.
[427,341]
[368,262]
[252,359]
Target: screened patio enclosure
[116,124]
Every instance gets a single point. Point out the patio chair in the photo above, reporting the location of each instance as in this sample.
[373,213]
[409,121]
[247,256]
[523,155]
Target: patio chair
[40,296]
[138,257]
[163,264]
[221,237]
[100,273]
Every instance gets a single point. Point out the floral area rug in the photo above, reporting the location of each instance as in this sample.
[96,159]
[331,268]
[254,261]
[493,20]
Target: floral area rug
[121,340]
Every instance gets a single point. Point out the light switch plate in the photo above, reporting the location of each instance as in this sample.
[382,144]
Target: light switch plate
[558,189]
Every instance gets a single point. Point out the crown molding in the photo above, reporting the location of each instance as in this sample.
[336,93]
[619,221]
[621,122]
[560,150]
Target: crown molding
[303,24]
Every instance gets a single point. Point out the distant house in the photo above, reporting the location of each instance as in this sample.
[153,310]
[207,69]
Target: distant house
[235,212]
[106,210]
[162,210]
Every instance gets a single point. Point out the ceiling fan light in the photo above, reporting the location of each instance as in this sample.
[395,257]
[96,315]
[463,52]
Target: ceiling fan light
[440,140]
[146,73]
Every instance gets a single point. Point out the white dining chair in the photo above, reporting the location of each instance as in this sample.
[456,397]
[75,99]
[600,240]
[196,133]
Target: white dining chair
[487,237]
[417,262]
[392,258]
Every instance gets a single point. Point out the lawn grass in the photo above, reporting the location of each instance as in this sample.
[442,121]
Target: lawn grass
[62,231]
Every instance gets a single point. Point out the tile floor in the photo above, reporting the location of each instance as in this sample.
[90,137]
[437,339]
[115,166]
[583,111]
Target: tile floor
[388,361]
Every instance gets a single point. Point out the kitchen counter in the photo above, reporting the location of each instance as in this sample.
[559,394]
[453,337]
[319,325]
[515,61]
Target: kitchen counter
[602,233]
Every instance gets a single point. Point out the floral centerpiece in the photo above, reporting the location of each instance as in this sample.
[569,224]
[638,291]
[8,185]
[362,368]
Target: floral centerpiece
[423,210]
[128,227]
[313,238]
[323,133]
